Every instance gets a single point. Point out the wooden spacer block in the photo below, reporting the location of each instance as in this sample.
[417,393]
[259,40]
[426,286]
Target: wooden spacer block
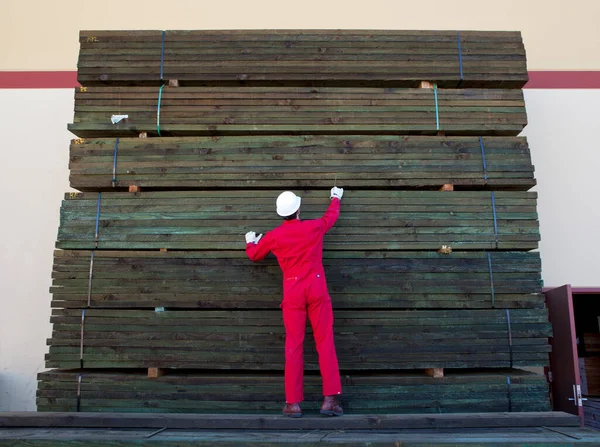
[441,133]
[447,187]
[134,188]
[436,373]
[173,82]
[155,373]
[445,250]
[163,250]
[143,135]
[426,84]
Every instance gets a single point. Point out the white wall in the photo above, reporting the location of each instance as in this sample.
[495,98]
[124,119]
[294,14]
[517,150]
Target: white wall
[563,134]
[34,175]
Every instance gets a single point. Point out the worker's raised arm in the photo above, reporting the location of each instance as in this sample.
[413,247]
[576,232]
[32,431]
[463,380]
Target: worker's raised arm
[257,247]
[333,211]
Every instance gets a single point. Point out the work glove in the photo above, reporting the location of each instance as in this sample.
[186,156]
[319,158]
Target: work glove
[337,193]
[252,238]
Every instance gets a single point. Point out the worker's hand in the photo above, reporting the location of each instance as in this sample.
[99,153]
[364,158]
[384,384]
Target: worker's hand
[337,193]
[252,238]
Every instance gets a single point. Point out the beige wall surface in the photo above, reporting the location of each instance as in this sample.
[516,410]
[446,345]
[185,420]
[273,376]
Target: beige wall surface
[562,133]
[34,159]
[43,34]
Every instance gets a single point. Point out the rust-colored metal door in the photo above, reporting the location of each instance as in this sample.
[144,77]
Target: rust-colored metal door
[564,361]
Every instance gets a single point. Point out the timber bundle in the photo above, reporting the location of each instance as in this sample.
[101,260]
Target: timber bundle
[185,139]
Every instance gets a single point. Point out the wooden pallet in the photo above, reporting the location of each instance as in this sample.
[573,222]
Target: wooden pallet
[369,220]
[301,57]
[197,111]
[301,161]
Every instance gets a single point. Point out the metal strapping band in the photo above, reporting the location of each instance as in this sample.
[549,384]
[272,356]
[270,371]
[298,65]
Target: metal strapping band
[483,158]
[79,376]
[437,110]
[509,393]
[460,60]
[489,257]
[158,109]
[97,233]
[510,349]
[81,339]
[91,275]
[495,218]
[114,179]
[154,433]
[162,55]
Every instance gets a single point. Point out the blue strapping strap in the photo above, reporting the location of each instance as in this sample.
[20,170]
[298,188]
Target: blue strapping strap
[510,348]
[162,56]
[483,158]
[460,60]
[91,275]
[81,339]
[158,110]
[437,109]
[489,256]
[495,218]
[509,394]
[96,234]
[114,179]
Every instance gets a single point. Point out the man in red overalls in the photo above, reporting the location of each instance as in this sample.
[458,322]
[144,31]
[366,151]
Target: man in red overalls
[298,246]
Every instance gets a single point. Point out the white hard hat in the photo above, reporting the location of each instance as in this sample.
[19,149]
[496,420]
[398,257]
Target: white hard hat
[287,203]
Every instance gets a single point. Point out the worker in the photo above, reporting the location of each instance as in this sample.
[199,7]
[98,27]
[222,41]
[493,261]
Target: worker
[298,246]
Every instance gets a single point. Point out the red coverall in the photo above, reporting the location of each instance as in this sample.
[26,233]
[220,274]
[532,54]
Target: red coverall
[298,246]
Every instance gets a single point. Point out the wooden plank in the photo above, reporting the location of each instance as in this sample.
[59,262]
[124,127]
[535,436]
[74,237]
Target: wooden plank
[409,220]
[289,161]
[252,340]
[295,57]
[296,110]
[271,422]
[261,393]
[398,280]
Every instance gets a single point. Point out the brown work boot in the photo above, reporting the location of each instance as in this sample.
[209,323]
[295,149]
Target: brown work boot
[292,410]
[331,407]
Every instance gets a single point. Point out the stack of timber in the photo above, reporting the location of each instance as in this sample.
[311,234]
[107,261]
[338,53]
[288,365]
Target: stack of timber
[181,111]
[234,118]
[253,339]
[591,342]
[591,412]
[308,161]
[371,220]
[192,392]
[589,370]
[292,57]
[356,280]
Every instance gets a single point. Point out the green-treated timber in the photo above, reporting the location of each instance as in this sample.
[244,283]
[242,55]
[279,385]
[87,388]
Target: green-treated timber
[197,111]
[390,393]
[369,220]
[253,339]
[288,161]
[300,57]
[356,280]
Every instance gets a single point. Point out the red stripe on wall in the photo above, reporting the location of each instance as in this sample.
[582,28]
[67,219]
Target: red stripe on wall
[38,79]
[564,79]
[68,79]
